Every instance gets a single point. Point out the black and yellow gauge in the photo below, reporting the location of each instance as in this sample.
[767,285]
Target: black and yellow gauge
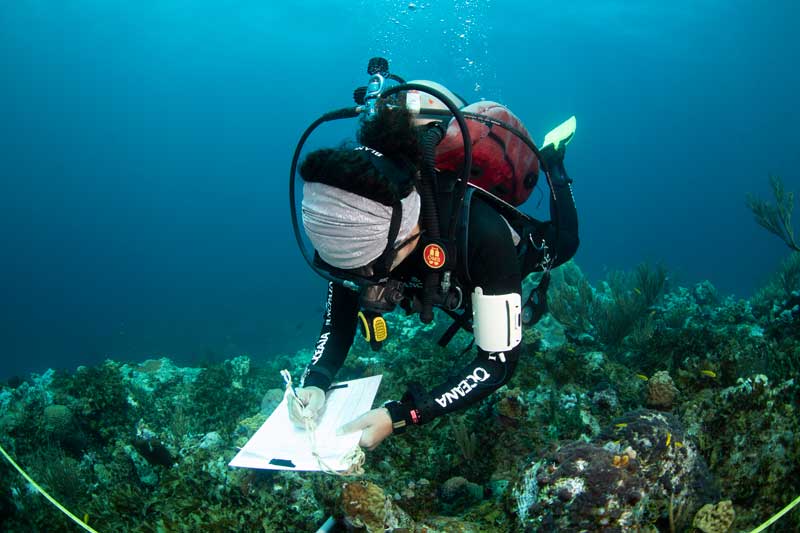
[373,327]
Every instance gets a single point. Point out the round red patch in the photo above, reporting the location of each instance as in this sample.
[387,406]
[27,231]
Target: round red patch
[433,255]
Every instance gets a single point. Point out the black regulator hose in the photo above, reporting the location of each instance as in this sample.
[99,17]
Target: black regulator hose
[347,112]
[430,218]
[430,214]
[458,116]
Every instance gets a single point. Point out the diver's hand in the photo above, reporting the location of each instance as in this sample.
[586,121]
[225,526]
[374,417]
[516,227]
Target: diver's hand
[377,425]
[313,403]
[554,159]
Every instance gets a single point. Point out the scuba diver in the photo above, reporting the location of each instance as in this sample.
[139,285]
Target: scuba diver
[394,221]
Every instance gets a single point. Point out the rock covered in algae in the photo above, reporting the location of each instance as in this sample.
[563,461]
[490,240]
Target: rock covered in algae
[367,506]
[626,478]
[458,488]
[661,391]
[583,485]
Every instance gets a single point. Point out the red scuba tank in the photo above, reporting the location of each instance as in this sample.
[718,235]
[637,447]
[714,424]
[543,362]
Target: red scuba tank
[501,162]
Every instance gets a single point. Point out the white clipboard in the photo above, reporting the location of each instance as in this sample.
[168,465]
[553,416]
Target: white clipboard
[279,445]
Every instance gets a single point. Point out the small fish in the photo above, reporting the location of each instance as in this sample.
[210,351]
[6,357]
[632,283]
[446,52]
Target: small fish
[678,444]
[642,377]
[85,518]
[709,373]
[621,425]
[669,438]
[637,290]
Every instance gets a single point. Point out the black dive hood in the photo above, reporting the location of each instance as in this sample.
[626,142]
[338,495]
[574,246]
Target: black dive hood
[440,235]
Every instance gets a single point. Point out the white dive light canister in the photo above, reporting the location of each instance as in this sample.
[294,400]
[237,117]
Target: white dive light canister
[496,320]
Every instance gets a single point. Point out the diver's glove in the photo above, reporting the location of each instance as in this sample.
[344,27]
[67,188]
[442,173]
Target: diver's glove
[554,159]
[313,404]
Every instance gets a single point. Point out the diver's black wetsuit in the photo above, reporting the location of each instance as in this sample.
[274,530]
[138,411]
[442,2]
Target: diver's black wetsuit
[493,266]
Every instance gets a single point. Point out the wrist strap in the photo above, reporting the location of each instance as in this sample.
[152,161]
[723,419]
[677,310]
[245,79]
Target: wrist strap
[402,416]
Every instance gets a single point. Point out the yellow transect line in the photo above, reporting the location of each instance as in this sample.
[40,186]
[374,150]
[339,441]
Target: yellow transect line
[45,494]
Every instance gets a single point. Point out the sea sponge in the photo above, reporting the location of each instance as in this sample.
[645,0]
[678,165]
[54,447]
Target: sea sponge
[661,391]
[715,518]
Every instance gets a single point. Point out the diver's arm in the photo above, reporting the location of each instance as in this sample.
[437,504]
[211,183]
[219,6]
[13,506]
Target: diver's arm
[561,233]
[484,375]
[338,329]
[495,274]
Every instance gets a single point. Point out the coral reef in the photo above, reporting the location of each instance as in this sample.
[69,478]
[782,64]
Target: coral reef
[749,432]
[635,406]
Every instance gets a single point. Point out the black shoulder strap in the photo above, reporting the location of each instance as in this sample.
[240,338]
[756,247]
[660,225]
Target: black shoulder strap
[516,218]
[462,243]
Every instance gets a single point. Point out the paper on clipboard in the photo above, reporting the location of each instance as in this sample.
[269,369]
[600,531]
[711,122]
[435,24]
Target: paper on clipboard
[279,445]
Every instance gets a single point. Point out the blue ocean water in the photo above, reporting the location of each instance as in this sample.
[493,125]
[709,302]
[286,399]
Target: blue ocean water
[145,147]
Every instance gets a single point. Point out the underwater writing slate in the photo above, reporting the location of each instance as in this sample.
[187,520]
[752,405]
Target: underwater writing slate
[279,445]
